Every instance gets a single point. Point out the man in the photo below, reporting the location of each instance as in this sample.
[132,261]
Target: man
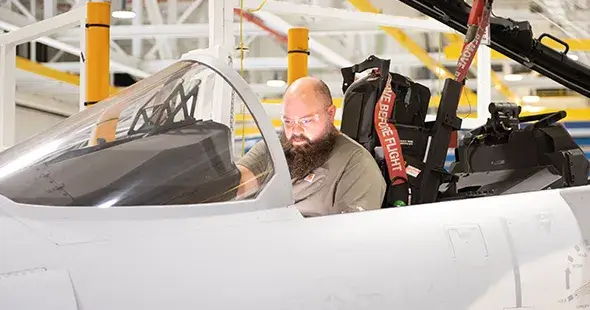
[331,173]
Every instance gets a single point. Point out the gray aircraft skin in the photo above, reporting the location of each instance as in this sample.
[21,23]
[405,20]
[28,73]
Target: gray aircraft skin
[520,251]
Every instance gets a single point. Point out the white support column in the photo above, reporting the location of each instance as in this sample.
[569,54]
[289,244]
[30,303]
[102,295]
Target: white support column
[49,8]
[171,19]
[33,52]
[7,95]
[221,23]
[364,45]
[192,7]
[155,17]
[221,44]
[137,43]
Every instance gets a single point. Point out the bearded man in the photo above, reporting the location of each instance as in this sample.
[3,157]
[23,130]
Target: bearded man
[330,172]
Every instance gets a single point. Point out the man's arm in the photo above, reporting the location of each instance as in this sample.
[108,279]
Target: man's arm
[248,182]
[361,186]
[252,166]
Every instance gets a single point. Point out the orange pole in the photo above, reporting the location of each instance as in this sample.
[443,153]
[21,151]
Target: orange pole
[98,21]
[298,51]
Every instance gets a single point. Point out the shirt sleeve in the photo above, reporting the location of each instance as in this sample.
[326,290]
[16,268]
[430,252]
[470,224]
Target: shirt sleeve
[257,159]
[361,186]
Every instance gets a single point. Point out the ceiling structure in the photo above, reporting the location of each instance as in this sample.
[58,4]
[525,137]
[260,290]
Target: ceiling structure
[165,29]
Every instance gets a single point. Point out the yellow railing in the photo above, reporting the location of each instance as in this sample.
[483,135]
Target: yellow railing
[50,73]
[453,50]
[251,130]
[465,101]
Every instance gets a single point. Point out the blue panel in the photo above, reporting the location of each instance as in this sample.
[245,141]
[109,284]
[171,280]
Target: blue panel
[585,141]
[576,124]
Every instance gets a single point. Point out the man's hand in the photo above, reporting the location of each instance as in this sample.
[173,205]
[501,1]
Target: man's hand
[252,167]
[248,182]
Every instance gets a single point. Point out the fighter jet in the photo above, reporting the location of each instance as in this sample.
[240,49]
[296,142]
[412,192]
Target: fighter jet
[132,204]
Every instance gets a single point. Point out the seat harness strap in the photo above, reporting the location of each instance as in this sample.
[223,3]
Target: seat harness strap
[479,21]
[388,135]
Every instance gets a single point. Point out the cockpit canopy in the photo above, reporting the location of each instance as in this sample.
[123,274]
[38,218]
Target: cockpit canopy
[154,143]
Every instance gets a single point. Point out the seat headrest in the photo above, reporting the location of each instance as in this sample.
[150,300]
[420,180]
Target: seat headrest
[364,84]
[358,105]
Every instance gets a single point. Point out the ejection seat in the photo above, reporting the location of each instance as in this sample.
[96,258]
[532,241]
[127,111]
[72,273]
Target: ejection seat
[409,115]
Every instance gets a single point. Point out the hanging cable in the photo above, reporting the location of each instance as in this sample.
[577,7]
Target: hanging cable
[479,20]
[258,8]
[241,47]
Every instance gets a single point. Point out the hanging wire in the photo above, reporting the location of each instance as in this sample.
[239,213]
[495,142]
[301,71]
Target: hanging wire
[463,93]
[242,48]
[258,8]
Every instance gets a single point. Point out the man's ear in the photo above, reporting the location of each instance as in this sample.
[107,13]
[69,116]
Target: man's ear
[332,112]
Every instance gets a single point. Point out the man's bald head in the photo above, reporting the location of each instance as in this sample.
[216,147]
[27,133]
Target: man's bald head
[310,86]
[308,112]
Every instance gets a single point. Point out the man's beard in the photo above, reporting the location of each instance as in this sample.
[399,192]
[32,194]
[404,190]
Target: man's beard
[303,159]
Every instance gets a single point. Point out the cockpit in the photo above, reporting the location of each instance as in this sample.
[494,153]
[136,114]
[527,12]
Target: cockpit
[154,143]
[162,141]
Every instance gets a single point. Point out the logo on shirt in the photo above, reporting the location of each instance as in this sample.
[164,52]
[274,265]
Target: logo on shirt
[309,178]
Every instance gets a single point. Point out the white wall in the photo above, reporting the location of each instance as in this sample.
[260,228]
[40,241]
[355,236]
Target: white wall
[30,122]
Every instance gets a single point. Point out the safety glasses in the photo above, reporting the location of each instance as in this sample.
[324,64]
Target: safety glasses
[304,122]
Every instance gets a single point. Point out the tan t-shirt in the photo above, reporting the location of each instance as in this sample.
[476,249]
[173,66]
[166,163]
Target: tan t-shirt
[348,181]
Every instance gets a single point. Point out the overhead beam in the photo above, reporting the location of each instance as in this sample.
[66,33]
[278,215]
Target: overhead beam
[412,46]
[276,63]
[42,28]
[24,35]
[200,30]
[252,19]
[290,8]
[315,47]
[319,28]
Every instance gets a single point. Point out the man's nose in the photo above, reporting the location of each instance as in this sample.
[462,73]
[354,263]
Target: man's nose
[297,129]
